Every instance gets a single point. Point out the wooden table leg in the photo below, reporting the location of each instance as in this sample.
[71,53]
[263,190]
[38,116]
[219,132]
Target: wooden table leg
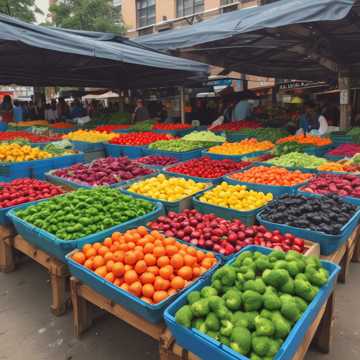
[59,297]
[324,332]
[356,255]
[7,258]
[82,310]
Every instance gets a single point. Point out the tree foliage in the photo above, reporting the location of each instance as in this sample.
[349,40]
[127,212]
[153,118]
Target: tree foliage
[21,9]
[91,15]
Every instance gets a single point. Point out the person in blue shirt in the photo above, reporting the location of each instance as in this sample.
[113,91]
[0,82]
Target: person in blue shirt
[77,110]
[18,112]
[242,109]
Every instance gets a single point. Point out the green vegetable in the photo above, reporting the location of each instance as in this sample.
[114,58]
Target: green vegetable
[184,316]
[232,299]
[288,147]
[193,297]
[208,291]
[252,300]
[226,327]
[200,308]
[261,345]
[241,340]
[240,319]
[316,277]
[282,325]
[207,136]
[199,324]
[271,301]
[212,322]
[290,310]
[257,285]
[298,160]
[276,278]
[264,326]
[226,274]
[177,145]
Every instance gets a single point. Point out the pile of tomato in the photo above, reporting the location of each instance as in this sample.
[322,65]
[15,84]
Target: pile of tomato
[205,167]
[237,125]
[145,263]
[111,128]
[13,135]
[139,138]
[22,191]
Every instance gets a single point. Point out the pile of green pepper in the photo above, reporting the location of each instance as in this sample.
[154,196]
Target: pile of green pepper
[84,212]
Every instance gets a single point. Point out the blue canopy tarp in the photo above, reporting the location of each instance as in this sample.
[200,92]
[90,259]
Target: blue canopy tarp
[42,56]
[286,39]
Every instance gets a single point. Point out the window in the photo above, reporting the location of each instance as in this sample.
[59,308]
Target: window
[189,7]
[145,12]
[227,2]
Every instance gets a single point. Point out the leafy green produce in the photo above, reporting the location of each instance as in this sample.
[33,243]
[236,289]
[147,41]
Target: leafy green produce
[298,160]
[146,125]
[288,147]
[263,134]
[207,136]
[84,212]
[254,316]
[59,147]
[176,145]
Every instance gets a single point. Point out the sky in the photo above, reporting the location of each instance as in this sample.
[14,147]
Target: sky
[43,5]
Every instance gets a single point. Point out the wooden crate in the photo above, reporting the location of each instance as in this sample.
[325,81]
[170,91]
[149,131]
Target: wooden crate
[84,298]
[59,273]
[312,248]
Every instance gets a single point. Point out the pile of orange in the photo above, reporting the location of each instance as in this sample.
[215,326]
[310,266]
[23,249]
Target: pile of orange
[146,264]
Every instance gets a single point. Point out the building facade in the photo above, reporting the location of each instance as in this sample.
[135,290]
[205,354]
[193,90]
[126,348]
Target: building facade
[143,17]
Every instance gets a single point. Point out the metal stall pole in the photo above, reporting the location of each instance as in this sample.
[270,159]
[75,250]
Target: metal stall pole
[182,105]
[345,90]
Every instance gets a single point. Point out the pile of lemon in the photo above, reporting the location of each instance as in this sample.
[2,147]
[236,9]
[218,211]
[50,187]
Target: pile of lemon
[92,136]
[236,197]
[167,188]
[18,153]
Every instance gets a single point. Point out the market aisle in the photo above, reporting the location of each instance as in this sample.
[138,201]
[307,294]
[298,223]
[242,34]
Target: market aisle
[27,327]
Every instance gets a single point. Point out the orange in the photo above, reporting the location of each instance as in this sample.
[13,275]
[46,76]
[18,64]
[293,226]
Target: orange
[108,242]
[200,255]
[116,236]
[169,241]
[109,265]
[185,272]
[123,247]
[203,270]
[138,248]
[101,271]
[161,284]
[148,238]
[114,247]
[171,292]
[118,256]
[118,269]
[110,277]
[97,245]
[86,247]
[166,272]
[130,258]
[98,261]
[108,256]
[156,234]
[207,263]
[140,267]
[139,254]
[159,251]
[131,245]
[148,290]
[128,267]
[148,248]
[177,283]
[117,282]
[142,231]
[136,288]
[89,264]
[130,277]
[125,286]
[163,261]
[196,271]
[128,236]
[190,250]
[150,259]
[171,250]
[189,260]
[149,301]
[158,242]
[153,269]
[147,278]
[160,296]
[79,257]
[177,261]
[89,253]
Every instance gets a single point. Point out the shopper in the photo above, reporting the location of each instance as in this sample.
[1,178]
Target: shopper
[18,112]
[140,113]
[6,109]
[62,110]
[242,109]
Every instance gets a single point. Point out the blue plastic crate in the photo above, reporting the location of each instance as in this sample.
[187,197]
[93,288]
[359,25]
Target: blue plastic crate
[132,152]
[151,312]
[233,157]
[16,170]
[113,150]
[333,157]
[59,248]
[176,206]
[121,131]
[317,150]
[235,137]
[182,156]
[246,217]
[63,131]
[40,145]
[206,347]
[328,243]
[84,146]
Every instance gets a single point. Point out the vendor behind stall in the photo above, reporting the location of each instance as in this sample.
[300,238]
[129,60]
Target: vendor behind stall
[312,121]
